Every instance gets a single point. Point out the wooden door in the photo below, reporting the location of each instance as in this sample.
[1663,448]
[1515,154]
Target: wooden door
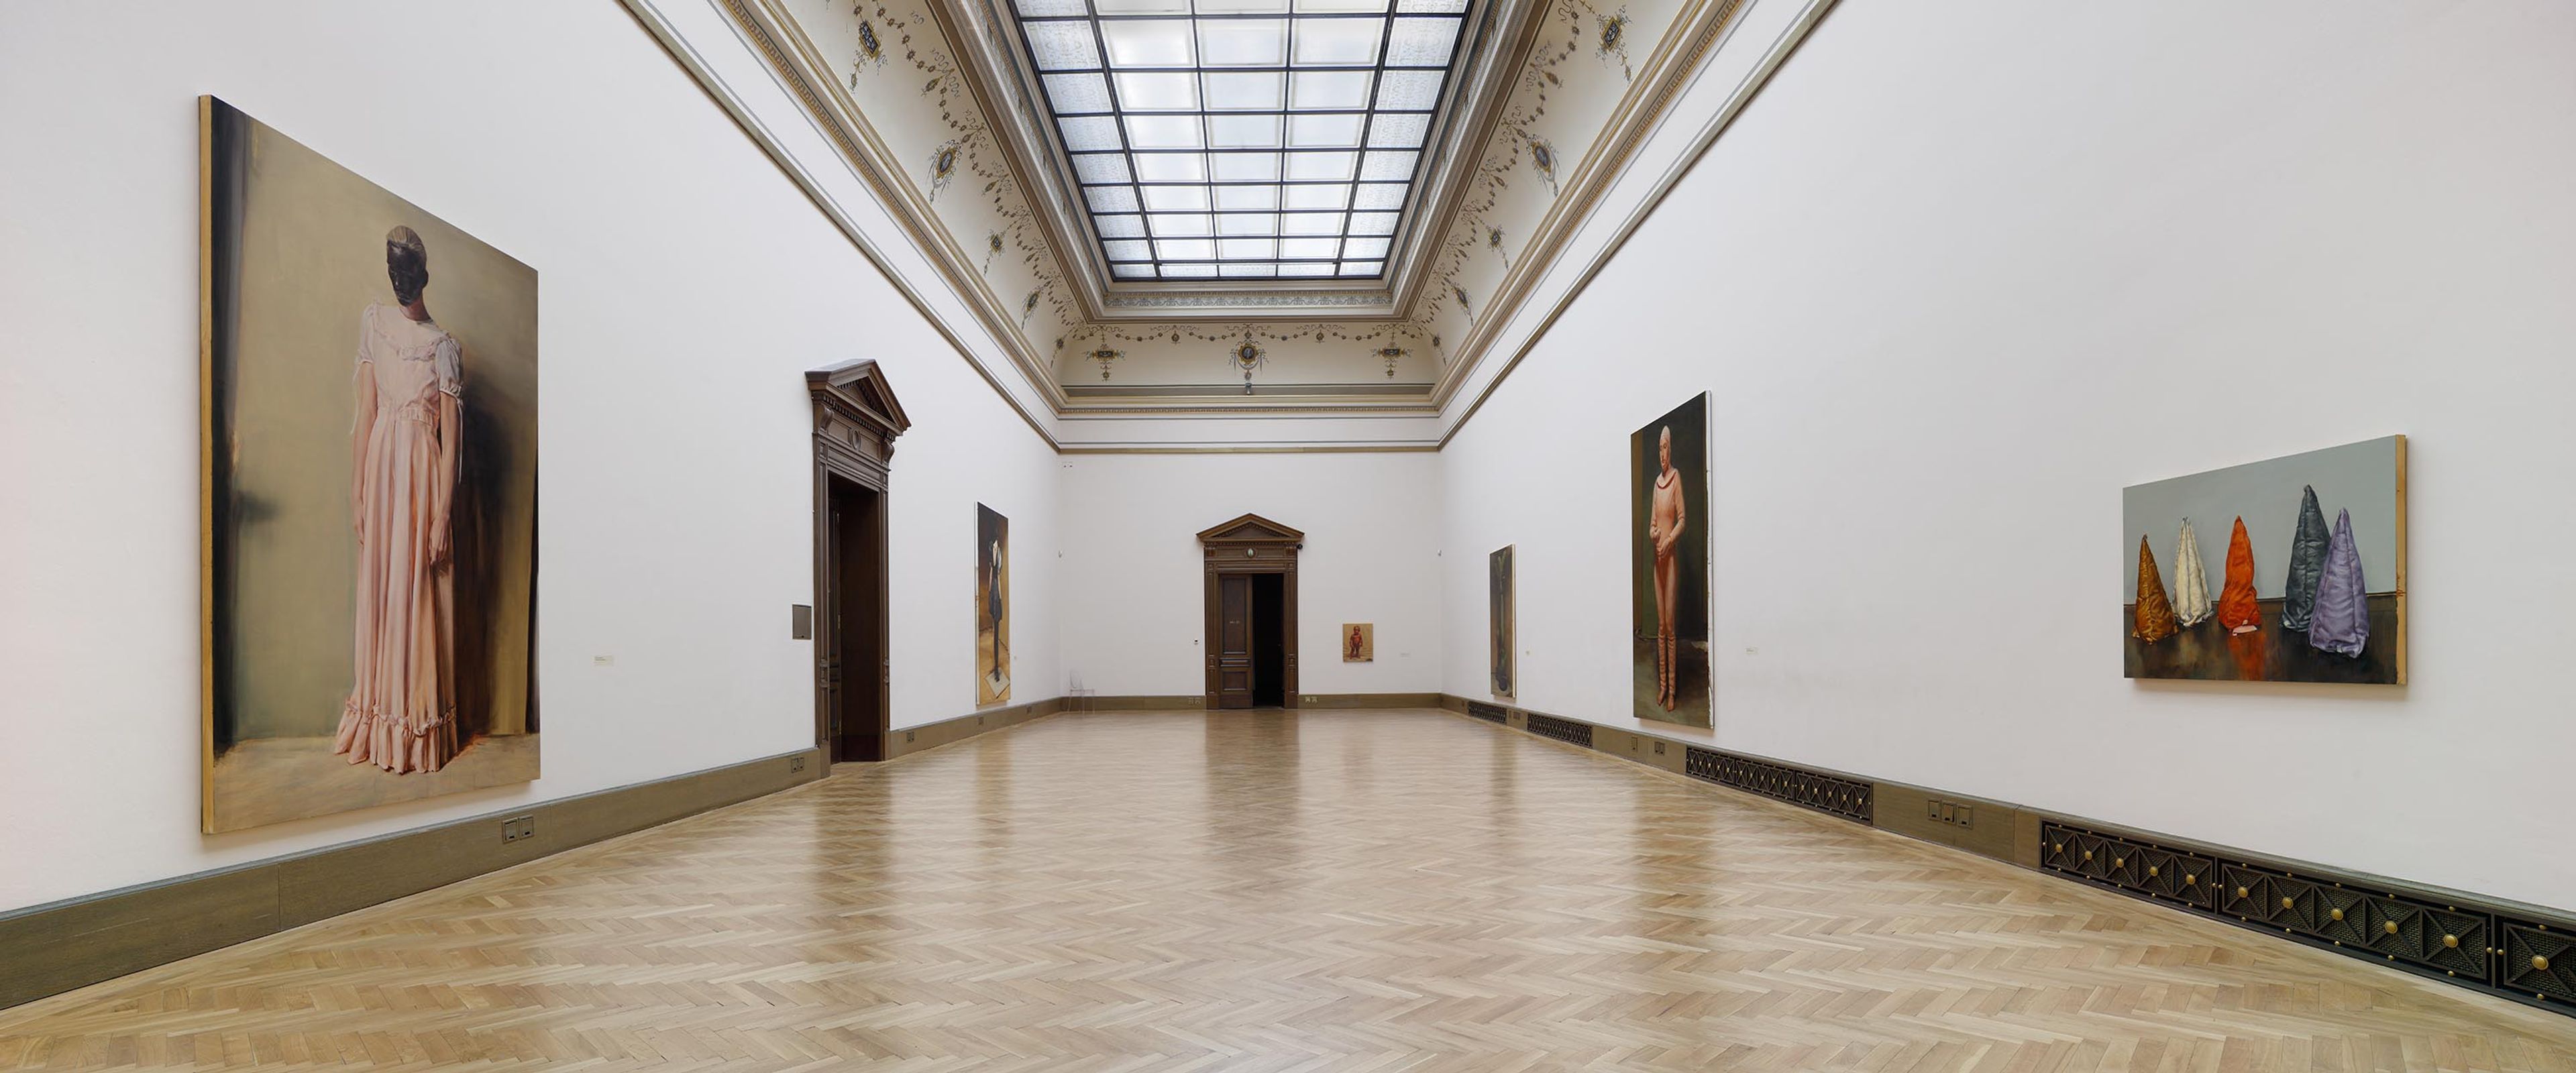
[827,613]
[1234,640]
[855,421]
[853,652]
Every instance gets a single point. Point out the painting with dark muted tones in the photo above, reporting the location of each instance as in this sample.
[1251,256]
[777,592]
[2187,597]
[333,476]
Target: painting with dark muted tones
[1502,639]
[1359,642]
[1668,564]
[2311,582]
[370,394]
[992,607]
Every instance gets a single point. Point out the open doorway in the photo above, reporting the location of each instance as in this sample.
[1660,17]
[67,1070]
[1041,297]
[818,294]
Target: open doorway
[854,608]
[1251,613]
[1269,643]
[855,421]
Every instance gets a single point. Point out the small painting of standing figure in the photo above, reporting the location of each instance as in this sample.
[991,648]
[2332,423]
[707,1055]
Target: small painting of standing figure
[2333,610]
[370,391]
[1359,642]
[992,607]
[1668,519]
[1501,640]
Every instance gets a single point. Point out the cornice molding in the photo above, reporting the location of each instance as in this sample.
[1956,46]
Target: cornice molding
[1777,52]
[1676,58]
[677,47]
[792,57]
[1516,32]
[1041,184]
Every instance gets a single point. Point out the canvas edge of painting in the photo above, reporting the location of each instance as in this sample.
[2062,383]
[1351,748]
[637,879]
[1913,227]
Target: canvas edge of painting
[206,105]
[1504,619]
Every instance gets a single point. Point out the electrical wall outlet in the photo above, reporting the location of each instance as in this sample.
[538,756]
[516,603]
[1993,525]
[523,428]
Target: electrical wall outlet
[518,827]
[795,764]
[907,737]
[1949,812]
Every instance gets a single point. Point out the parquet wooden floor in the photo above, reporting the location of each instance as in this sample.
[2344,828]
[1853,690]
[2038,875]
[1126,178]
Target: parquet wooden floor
[1336,891]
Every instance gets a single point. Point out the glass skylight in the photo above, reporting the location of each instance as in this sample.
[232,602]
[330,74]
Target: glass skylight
[1218,139]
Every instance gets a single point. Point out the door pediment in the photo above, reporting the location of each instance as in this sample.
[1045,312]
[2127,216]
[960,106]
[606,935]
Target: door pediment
[1250,529]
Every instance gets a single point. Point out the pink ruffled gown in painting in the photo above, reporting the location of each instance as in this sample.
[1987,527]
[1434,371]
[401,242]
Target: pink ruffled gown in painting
[401,714]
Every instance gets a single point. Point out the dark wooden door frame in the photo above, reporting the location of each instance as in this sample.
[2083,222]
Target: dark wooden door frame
[856,420]
[1252,544]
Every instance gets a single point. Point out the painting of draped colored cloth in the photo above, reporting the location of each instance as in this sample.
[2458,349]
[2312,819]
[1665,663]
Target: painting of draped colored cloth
[2302,599]
[369,385]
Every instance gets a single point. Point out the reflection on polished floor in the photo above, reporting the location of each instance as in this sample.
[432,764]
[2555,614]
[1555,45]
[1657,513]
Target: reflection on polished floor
[1341,890]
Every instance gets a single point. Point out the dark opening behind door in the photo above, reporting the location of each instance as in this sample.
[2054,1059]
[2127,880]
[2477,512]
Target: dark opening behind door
[1269,642]
[854,606]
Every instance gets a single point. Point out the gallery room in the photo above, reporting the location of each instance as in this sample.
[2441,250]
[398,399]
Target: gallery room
[1134,535]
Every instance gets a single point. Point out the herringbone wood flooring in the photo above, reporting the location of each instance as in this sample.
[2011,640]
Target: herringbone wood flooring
[1359,890]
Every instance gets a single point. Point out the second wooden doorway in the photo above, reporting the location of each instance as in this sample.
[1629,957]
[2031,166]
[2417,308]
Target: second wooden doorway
[1251,613]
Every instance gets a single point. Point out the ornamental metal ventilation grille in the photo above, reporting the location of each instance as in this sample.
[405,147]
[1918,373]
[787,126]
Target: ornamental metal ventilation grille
[1847,798]
[2457,941]
[1564,730]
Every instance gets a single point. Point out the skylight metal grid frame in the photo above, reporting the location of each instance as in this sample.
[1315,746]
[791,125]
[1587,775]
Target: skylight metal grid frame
[1200,215]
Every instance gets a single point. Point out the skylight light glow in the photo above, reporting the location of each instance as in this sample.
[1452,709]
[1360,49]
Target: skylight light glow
[1218,139]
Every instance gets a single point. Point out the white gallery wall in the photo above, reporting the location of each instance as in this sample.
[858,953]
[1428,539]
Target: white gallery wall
[1133,585]
[686,286]
[1959,274]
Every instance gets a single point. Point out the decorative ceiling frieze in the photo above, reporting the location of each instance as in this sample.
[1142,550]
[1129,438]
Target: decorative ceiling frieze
[1548,99]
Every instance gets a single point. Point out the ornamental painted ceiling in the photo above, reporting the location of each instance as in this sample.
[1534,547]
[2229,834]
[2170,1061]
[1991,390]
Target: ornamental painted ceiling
[1238,204]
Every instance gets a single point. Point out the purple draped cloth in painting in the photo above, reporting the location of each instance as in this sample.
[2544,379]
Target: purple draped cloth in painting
[2340,622]
[2307,561]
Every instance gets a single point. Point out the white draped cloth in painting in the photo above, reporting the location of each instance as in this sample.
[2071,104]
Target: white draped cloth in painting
[2191,580]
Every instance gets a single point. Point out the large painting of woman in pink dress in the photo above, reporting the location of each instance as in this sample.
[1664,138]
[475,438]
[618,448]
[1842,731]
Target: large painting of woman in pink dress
[370,379]
[401,714]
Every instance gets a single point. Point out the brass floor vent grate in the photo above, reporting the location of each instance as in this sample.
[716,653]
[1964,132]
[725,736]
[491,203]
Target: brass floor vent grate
[2457,941]
[1847,798]
[1491,713]
[1564,730]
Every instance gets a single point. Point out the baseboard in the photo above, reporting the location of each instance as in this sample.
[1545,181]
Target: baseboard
[1193,702]
[1190,702]
[1368,700]
[2495,945]
[910,740]
[52,948]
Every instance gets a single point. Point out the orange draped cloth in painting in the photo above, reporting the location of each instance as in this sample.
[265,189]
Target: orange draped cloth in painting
[2155,613]
[2236,609]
